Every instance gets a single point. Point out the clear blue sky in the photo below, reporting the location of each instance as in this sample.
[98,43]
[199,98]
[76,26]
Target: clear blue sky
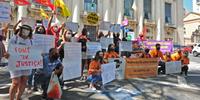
[187,5]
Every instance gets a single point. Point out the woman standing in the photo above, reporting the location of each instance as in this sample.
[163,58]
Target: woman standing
[19,77]
[111,52]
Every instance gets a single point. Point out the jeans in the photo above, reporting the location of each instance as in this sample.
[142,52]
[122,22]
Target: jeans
[94,78]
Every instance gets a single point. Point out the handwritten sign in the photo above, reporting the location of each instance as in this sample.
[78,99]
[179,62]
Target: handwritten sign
[24,57]
[72,61]
[105,26]
[120,67]
[173,67]
[108,72]
[29,21]
[92,18]
[141,67]
[115,28]
[125,46]
[105,42]
[5,11]
[44,42]
[166,46]
[92,48]
[72,26]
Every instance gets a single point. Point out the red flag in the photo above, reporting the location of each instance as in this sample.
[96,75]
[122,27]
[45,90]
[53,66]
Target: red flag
[46,3]
[21,2]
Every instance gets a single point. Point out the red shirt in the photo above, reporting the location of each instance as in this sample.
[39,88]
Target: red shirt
[50,31]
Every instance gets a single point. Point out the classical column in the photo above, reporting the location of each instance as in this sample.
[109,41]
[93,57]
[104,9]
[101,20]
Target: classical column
[160,19]
[140,11]
[119,11]
[22,12]
[179,19]
[106,10]
[76,11]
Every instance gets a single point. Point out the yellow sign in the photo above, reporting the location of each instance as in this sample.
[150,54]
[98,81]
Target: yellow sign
[140,68]
[92,18]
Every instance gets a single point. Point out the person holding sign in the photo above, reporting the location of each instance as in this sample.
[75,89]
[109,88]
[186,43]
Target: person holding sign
[167,57]
[177,55]
[111,52]
[185,61]
[3,33]
[19,77]
[94,71]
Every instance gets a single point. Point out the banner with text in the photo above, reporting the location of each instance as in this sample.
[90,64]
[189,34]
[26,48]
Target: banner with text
[5,11]
[140,68]
[92,48]
[125,46]
[120,67]
[173,67]
[24,57]
[105,42]
[108,72]
[72,61]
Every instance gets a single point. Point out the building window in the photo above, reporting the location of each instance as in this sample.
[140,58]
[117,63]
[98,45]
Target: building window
[128,8]
[168,13]
[147,9]
[90,5]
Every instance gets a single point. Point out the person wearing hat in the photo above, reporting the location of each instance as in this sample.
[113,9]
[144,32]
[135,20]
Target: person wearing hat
[19,77]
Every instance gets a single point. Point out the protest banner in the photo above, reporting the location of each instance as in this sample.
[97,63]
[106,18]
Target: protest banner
[105,26]
[92,48]
[72,26]
[125,46]
[120,67]
[108,72]
[141,68]
[105,42]
[24,57]
[29,21]
[44,42]
[5,11]
[72,61]
[173,67]
[115,28]
[166,46]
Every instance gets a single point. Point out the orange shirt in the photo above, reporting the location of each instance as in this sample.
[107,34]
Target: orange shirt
[155,54]
[185,61]
[112,54]
[176,56]
[167,59]
[94,67]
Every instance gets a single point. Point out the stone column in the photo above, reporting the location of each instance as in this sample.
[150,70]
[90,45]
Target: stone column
[106,10]
[160,20]
[22,12]
[179,19]
[119,11]
[76,11]
[140,11]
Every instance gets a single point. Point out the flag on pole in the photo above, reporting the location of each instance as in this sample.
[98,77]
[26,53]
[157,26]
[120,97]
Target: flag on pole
[21,2]
[43,13]
[46,3]
[65,11]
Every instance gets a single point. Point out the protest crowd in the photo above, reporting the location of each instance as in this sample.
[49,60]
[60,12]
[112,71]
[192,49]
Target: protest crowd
[44,58]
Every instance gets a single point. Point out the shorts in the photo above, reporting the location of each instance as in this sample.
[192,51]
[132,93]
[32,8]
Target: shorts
[19,73]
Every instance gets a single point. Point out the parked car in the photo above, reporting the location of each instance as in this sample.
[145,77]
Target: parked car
[196,50]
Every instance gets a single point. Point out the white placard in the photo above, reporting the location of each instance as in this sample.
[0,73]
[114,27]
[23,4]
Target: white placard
[108,72]
[105,26]
[120,67]
[5,11]
[24,57]
[173,67]
[44,42]
[105,42]
[29,21]
[72,61]
[72,26]
[92,48]
[125,46]
[115,28]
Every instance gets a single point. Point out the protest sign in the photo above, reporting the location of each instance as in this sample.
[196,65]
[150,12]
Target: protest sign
[125,46]
[105,42]
[166,46]
[115,28]
[72,61]
[72,26]
[173,67]
[120,67]
[92,48]
[29,21]
[141,68]
[44,42]
[108,72]
[24,57]
[92,18]
[105,26]
[5,11]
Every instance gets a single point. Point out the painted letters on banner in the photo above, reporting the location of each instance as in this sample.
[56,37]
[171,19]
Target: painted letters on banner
[141,68]
[44,42]
[24,57]
[105,42]
[120,67]
[72,61]
[5,11]
[173,67]
[92,48]
[108,72]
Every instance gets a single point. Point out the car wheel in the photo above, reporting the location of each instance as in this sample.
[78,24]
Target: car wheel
[195,54]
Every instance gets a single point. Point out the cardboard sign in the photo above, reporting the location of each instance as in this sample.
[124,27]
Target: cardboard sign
[140,68]
[72,26]
[29,21]
[72,61]
[120,67]
[92,18]
[125,46]
[44,42]
[92,48]
[166,46]
[173,67]
[108,72]
[5,11]
[24,57]
[105,42]
[115,28]
[105,26]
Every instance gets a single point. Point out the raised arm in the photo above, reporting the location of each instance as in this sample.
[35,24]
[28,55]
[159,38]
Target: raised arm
[15,26]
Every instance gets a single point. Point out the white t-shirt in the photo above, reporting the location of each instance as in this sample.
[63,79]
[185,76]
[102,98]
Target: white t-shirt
[20,41]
